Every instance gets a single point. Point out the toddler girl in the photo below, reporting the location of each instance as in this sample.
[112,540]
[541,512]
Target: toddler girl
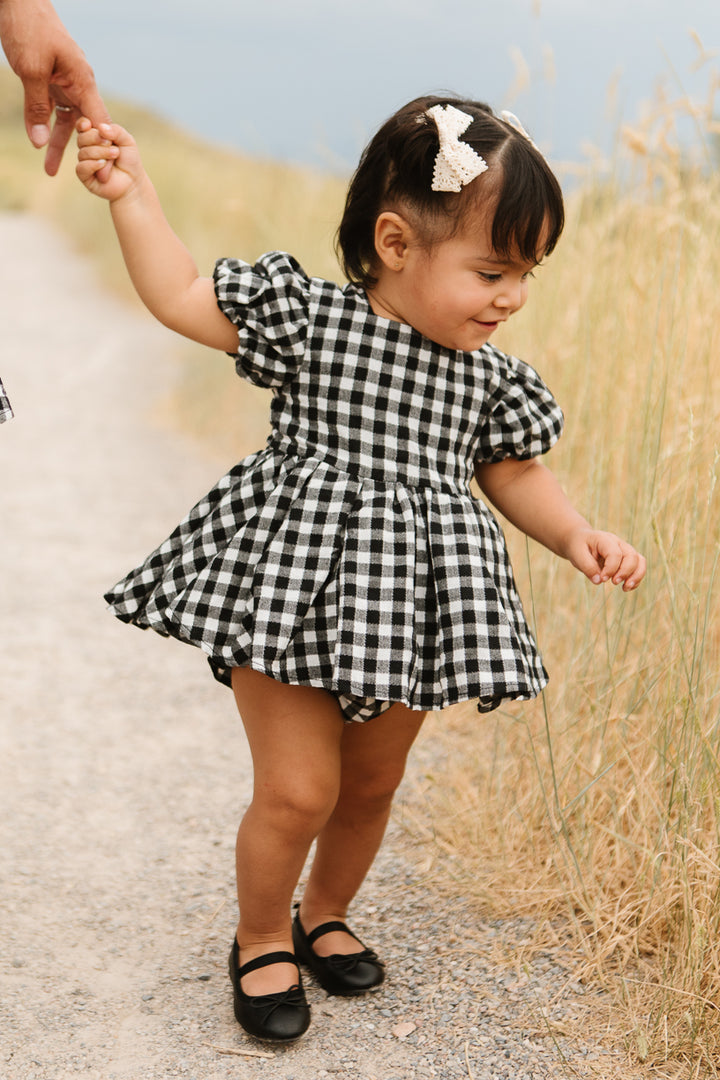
[345,573]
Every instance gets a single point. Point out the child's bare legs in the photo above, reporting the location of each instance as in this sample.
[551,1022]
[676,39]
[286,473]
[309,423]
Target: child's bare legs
[373,757]
[314,776]
[294,734]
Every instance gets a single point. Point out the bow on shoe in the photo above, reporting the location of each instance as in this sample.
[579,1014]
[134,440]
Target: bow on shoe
[339,973]
[267,1004]
[346,964]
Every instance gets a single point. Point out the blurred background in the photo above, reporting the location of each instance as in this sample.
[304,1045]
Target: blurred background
[309,82]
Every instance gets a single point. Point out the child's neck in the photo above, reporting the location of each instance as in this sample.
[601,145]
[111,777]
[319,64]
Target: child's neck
[383,301]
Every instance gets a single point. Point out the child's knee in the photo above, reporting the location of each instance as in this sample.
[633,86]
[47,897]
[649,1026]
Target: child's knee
[374,790]
[299,806]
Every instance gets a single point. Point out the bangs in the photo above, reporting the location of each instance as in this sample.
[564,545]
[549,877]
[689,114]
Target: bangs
[529,214]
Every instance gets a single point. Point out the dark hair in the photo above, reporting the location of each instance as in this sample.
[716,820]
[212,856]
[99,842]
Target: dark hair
[396,171]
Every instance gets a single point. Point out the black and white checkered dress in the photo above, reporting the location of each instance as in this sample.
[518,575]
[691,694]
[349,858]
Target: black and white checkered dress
[349,554]
[5,409]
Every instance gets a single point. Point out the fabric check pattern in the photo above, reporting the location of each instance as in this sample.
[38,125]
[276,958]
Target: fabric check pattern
[5,408]
[349,553]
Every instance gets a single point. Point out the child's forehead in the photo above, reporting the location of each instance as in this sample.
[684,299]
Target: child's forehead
[475,229]
[473,237]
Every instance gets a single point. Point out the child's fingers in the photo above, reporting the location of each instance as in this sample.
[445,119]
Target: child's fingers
[98,169]
[89,137]
[610,557]
[105,134]
[631,571]
[89,168]
[92,137]
[621,563]
[95,152]
[116,134]
[604,557]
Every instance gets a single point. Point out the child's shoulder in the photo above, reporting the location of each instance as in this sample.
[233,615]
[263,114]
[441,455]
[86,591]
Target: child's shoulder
[515,379]
[273,264]
[275,303]
[506,363]
[503,364]
[279,270]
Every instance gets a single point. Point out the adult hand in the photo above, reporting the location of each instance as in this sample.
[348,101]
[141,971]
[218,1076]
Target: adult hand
[54,74]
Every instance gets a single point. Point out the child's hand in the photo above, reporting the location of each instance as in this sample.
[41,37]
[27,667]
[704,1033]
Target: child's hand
[109,145]
[602,557]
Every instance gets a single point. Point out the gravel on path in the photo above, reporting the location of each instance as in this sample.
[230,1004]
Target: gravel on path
[124,771]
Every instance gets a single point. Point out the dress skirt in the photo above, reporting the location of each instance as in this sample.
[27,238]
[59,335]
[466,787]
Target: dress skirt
[349,554]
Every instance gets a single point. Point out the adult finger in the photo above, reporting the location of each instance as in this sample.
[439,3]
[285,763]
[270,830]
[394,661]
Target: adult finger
[74,84]
[38,109]
[90,103]
[72,102]
[66,117]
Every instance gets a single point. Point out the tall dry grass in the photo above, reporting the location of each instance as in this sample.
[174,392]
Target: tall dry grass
[596,809]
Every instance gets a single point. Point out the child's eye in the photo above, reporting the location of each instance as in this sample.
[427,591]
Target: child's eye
[490,278]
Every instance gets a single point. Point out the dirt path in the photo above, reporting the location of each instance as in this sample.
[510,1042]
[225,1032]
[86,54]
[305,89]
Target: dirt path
[123,770]
[118,752]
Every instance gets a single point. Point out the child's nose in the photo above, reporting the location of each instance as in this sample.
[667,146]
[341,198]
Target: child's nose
[511,295]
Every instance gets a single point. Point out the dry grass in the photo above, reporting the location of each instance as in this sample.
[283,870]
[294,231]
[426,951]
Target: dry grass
[599,804]
[596,809]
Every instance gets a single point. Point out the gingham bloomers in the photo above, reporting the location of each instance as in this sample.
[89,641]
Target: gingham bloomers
[350,554]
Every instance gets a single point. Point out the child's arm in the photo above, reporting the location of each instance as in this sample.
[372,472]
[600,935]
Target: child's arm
[160,266]
[529,496]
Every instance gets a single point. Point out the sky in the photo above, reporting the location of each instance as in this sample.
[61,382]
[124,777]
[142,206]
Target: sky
[310,82]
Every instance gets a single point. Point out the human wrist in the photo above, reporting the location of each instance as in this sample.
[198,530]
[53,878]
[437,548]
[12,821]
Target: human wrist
[571,536]
[139,192]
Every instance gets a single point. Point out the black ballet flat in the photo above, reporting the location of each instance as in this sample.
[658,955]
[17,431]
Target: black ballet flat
[280,1017]
[347,975]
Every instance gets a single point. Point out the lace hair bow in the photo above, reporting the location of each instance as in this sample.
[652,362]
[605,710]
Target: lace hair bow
[456,163]
[512,120]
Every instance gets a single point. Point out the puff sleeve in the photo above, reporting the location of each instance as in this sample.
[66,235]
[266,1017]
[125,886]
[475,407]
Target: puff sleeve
[268,303]
[523,419]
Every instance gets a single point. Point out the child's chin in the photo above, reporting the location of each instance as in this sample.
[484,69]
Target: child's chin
[482,337]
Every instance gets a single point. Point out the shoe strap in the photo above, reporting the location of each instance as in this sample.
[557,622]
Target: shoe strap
[266,961]
[329,928]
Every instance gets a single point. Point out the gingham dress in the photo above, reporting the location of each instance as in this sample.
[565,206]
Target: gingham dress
[349,554]
[5,409]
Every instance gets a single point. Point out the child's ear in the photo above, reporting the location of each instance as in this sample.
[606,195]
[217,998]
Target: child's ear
[392,239]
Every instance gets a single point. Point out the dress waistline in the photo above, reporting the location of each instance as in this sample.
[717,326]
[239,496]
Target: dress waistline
[291,451]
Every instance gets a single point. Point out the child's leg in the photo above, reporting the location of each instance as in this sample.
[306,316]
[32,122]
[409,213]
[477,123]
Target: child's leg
[295,735]
[373,757]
